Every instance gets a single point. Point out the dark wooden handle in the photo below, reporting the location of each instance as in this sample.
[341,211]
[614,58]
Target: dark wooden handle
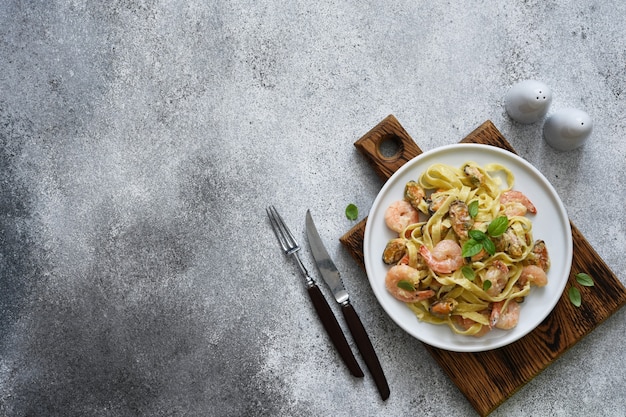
[334,330]
[368,353]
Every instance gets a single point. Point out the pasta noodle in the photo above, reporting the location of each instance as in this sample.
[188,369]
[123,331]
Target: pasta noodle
[472,259]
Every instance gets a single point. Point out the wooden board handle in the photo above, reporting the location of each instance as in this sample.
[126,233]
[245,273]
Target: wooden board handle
[388,132]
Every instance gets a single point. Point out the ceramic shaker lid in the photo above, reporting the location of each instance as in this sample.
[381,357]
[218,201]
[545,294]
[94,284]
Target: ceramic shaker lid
[528,101]
[567,129]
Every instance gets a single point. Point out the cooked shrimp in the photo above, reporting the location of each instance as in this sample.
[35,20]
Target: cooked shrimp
[461,220]
[506,319]
[533,274]
[539,255]
[444,258]
[394,251]
[443,307]
[498,275]
[399,215]
[414,194]
[516,204]
[402,282]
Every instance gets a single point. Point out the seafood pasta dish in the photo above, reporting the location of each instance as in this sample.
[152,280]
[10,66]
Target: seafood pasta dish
[464,255]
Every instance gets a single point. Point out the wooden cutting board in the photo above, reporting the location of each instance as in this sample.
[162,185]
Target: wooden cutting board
[487,379]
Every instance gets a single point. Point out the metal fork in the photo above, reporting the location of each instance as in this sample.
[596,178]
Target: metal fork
[290,247]
[287,241]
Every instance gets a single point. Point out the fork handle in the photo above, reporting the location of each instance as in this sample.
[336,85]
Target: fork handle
[333,329]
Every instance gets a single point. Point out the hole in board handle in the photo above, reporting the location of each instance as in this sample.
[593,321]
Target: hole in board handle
[390,147]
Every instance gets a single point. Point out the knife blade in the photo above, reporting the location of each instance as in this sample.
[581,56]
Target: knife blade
[331,276]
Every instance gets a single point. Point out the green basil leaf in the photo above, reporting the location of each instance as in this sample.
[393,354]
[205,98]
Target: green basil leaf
[468,272]
[471,248]
[574,296]
[489,246]
[352,212]
[584,279]
[486,285]
[473,208]
[406,285]
[498,226]
[477,235]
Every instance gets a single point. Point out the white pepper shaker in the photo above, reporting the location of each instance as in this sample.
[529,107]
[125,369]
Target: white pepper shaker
[528,101]
[567,129]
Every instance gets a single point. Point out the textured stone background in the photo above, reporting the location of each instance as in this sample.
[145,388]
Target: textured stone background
[142,140]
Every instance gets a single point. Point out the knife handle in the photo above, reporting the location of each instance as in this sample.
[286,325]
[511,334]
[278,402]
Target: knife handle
[334,330]
[364,344]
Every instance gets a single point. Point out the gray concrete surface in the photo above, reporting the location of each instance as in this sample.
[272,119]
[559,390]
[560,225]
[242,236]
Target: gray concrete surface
[142,140]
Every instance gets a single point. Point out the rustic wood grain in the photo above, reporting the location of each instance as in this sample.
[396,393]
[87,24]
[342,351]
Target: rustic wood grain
[488,378]
[387,130]
[353,241]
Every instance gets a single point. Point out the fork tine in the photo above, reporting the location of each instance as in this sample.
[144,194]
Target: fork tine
[275,227]
[291,241]
[284,235]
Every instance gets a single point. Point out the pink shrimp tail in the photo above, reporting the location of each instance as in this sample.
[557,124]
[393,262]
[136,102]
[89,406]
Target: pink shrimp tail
[495,313]
[518,197]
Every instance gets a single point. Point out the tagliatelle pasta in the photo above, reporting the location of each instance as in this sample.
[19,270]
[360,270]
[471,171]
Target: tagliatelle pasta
[465,254]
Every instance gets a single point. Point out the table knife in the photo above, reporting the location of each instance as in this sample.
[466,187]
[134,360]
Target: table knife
[331,276]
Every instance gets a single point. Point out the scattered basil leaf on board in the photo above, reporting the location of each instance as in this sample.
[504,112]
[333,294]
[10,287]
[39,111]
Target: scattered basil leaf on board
[352,212]
[574,293]
[574,296]
[584,279]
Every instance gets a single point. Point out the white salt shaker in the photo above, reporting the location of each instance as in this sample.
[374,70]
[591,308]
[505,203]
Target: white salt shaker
[567,129]
[528,101]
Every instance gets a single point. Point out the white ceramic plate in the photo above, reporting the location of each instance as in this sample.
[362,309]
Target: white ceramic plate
[551,224]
